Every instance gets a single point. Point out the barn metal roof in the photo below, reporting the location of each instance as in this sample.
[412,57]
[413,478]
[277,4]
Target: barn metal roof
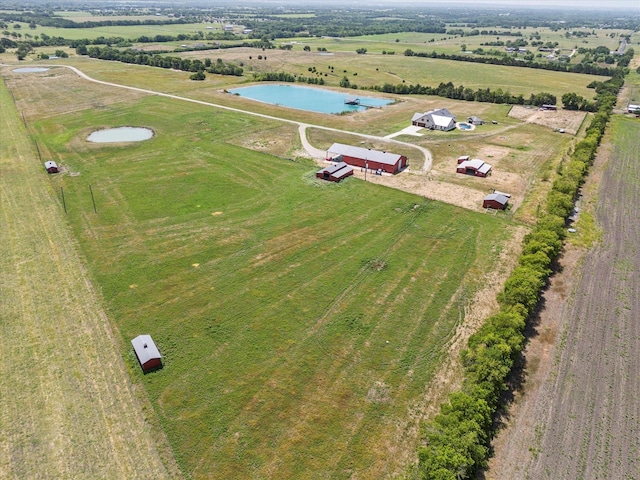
[365,153]
[145,348]
[50,164]
[338,170]
[476,164]
[498,197]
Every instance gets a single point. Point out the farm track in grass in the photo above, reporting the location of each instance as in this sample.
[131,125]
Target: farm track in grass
[300,321]
[579,416]
[67,406]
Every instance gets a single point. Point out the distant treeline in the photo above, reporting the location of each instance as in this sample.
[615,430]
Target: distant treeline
[509,61]
[162,61]
[49,20]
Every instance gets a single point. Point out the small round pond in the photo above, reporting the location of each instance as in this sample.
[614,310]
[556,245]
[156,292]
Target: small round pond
[30,70]
[465,126]
[121,134]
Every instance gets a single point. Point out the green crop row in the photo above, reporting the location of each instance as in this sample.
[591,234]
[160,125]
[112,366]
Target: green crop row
[457,439]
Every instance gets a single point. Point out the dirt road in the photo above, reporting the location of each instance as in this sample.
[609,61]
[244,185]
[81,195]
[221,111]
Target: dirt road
[579,417]
[313,152]
[67,406]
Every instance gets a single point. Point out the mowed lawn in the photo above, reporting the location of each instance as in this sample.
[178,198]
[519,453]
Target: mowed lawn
[68,408]
[300,321]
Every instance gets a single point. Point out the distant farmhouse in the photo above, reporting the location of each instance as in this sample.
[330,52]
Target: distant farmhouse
[367,158]
[441,119]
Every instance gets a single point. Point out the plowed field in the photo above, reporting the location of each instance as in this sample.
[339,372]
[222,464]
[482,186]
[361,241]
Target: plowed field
[580,416]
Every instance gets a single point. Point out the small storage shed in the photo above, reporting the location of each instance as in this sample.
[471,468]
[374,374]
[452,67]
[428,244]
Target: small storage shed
[335,173]
[51,167]
[463,158]
[473,120]
[548,106]
[147,352]
[475,167]
[497,201]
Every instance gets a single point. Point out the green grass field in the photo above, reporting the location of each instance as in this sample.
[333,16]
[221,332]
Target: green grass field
[300,321]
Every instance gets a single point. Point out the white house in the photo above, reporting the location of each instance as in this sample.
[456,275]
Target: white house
[441,119]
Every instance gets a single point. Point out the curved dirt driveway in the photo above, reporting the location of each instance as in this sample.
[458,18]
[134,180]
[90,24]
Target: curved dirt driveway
[312,151]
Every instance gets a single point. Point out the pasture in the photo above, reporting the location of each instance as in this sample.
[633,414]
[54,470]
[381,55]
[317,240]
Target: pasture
[300,321]
[68,407]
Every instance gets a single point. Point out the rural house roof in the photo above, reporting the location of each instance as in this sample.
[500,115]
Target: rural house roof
[50,164]
[365,154]
[442,120]
[145,348]
[442,112]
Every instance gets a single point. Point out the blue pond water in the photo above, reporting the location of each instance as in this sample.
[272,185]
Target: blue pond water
[121,134]
[306,98]
[30,69]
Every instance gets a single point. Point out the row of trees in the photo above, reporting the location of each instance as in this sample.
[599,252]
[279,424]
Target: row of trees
[52,20]
[460,92]
[155,60]
[457,440]
[286,77]
[510,61]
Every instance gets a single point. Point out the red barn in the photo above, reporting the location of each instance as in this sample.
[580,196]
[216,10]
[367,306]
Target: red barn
[335,173]
[147,352]
[367,158]
[497,201]
[473,167]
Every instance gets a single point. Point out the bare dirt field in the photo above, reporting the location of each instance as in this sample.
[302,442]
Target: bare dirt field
[579,413]
[67,406]
[567,120]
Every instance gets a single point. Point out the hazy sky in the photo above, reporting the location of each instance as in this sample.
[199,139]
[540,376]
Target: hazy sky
[631,5]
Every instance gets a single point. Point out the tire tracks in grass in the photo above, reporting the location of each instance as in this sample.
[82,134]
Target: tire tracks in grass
[67,406]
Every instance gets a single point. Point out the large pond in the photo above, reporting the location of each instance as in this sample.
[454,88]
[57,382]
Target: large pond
[30,70]
[310,99]
[121,134]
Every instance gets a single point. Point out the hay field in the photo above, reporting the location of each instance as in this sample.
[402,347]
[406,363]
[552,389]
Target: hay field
[67,405]
[300,321]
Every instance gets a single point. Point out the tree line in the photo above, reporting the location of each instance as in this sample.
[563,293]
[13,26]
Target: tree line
[162,61]
[513,62]
[51,20]
[286,77]
[449,90]
[457,440]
